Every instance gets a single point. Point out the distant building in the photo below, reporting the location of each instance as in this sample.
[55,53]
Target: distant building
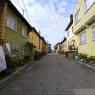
[61,46]
[38,41]
[49,48]
[35,38]
[71,37]
[44,46]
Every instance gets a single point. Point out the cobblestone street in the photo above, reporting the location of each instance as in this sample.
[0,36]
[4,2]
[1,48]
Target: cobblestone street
[53,75]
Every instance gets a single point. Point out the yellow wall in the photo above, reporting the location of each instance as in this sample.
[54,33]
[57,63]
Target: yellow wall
[20,24]
[14,37]
[69,40]
[41,45]
[81,26]
[89,47]
[35,39]
[44,47]
[3,10]
[63,46]
[84,16]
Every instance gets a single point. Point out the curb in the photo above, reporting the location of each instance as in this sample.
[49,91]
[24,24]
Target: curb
[8,79]
[87,65]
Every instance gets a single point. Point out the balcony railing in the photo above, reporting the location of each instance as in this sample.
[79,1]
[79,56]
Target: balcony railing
[86,20]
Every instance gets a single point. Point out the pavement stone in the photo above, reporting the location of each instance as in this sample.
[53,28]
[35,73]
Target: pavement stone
[53,75]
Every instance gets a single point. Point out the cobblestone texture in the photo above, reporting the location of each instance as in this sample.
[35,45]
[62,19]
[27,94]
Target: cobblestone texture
[53,75]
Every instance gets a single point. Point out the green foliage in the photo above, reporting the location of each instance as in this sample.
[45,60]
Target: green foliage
[37,55]
[91,58]
[20,59]
[83,56]
[29,51]
[16,61]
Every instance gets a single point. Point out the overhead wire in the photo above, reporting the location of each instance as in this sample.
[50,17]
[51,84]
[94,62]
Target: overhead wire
[57,12]
[26,10]
[54,16]
[20,6]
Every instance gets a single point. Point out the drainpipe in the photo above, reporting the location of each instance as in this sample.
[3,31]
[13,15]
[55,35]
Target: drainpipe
[3,11]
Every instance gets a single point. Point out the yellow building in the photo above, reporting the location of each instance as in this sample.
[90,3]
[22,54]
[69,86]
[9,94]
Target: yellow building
[44,46]
[35,38]
[14,28]
[71,37]
[84,26]
[61,46]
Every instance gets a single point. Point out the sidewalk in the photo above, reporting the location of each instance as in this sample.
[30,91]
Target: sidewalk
[4,81]
[90,66]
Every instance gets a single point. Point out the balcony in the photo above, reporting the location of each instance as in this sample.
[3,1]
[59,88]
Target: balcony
[86,20]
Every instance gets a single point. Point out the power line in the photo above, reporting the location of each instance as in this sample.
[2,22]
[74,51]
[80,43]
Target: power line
[26,10]
[57,11]
[20,6]
[53,14]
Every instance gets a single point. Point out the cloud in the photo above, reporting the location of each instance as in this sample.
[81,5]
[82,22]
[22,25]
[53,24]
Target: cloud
[46,19]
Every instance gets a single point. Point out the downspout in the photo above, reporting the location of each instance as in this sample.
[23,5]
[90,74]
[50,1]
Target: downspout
[3,11]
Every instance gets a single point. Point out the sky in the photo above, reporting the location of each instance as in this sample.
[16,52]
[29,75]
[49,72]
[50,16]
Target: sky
[50,17]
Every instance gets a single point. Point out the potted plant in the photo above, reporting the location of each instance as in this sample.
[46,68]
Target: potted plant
[91,60]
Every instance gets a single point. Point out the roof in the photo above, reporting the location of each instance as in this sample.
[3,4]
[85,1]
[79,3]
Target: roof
[19,14]
[70,23]
[23,19]
[62,41]
[33,29]
[44,40]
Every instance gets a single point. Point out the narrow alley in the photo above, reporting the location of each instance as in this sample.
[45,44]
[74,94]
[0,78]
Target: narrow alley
[53,75]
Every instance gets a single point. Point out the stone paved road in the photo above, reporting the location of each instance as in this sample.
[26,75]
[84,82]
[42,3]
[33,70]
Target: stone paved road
[53,75]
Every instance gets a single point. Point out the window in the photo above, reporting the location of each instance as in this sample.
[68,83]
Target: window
[93,32]
[82,38]
[77,16]
[11,23]
[88,3]
[24,32]
[68,34]
[13,48]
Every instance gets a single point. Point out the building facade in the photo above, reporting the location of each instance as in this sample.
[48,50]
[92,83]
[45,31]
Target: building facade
[44,46]
[38,41]
[35,39]
[61,47]
[13,27]
[84,26]
[71,37]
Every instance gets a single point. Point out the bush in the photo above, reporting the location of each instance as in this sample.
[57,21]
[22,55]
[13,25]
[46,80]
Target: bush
[37,55]
[29,51]
[83,57]
[91,59]
[16,61]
